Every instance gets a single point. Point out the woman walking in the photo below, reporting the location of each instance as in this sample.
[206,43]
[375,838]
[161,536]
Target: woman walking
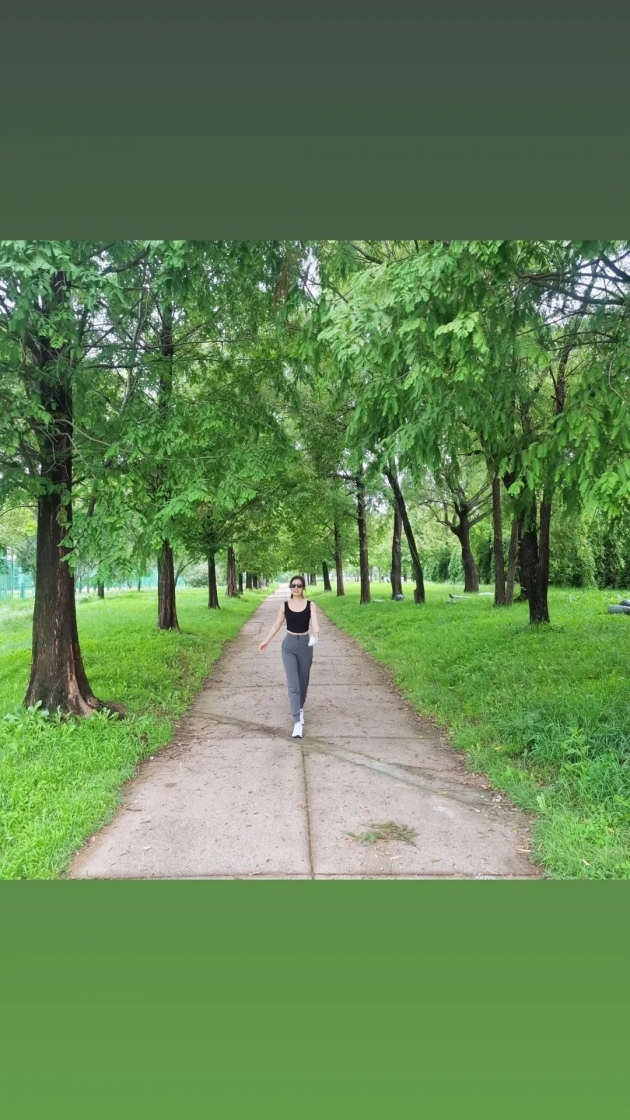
[297,648]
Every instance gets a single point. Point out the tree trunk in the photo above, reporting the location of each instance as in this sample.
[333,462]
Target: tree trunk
[167,581]
[512,560]
[167,612]
[462,532]
[535,559]
[326,576]
[57,679]
[471,575]
[101,590]
[419,594]
[213,594]
[338,560]
[255,581]
[230,589]
[313,579]
[542,583]
[364,563]
[248,581]
[240,583]
[500,591]
[140,584]
[396,569]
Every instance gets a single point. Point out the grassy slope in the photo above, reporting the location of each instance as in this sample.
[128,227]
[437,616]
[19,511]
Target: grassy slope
[60,780]
[544,711]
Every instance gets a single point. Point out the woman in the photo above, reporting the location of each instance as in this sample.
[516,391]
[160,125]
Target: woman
[297,647]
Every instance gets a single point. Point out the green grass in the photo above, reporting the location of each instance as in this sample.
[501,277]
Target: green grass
[388,831]
[543,711]
[61,779]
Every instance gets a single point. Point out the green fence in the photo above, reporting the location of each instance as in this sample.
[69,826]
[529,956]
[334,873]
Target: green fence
[14,582]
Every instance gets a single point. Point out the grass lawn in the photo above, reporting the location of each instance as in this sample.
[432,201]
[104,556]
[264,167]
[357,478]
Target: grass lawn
[60,779]
[543,711]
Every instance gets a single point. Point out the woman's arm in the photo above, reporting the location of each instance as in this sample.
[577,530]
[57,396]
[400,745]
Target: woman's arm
[274,630]
[314,620]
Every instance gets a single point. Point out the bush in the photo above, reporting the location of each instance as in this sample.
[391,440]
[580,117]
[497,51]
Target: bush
[571,561]
[455,566]
[197,576]
[436,563]
[484,558]
[610,543]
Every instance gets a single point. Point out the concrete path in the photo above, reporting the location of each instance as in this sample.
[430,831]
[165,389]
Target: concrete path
[236,797]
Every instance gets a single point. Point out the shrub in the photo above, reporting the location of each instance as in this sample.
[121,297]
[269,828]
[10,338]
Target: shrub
[197,576]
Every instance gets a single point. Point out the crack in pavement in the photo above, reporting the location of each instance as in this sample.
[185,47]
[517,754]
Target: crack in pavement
[399,771]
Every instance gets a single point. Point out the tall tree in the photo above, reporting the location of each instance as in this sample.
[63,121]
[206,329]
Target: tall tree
[392,477]
[55,298]
[396,568]
[452,335]
[459,500]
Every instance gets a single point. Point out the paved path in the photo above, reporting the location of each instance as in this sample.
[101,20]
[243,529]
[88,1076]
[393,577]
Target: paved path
[235,796]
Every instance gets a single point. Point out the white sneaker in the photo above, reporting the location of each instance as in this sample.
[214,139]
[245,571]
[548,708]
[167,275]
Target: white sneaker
[297,731]
[302,716]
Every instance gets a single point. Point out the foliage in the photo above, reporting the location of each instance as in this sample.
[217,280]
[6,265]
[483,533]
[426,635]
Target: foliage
[609,539]
[466,347]
[197,576]
[18,531]
[572,560]
[455,567]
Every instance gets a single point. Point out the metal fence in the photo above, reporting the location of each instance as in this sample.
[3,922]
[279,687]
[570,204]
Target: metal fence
[14,582]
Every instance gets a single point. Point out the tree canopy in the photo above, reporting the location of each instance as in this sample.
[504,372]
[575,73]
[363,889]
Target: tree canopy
[278,401]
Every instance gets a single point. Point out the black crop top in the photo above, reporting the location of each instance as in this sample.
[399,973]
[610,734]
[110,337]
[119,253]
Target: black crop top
[298,622]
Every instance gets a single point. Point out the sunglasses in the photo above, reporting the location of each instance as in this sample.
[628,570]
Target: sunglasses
[294,586]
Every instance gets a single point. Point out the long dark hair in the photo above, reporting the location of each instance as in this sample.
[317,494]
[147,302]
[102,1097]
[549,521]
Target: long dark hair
[302,581]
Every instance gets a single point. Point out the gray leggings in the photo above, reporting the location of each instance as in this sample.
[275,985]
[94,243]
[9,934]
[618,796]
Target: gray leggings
[297,658]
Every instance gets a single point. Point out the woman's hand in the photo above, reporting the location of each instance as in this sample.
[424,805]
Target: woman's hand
[262,647]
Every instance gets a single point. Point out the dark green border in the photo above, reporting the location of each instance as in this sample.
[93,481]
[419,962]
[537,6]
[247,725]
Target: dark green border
[241,121]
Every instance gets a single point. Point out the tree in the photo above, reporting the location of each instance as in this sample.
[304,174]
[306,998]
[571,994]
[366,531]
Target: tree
[456,335]
[392,477]
[458,498]
[97,342]
[206,323]
[396,568]
[53,308]
[331,491]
